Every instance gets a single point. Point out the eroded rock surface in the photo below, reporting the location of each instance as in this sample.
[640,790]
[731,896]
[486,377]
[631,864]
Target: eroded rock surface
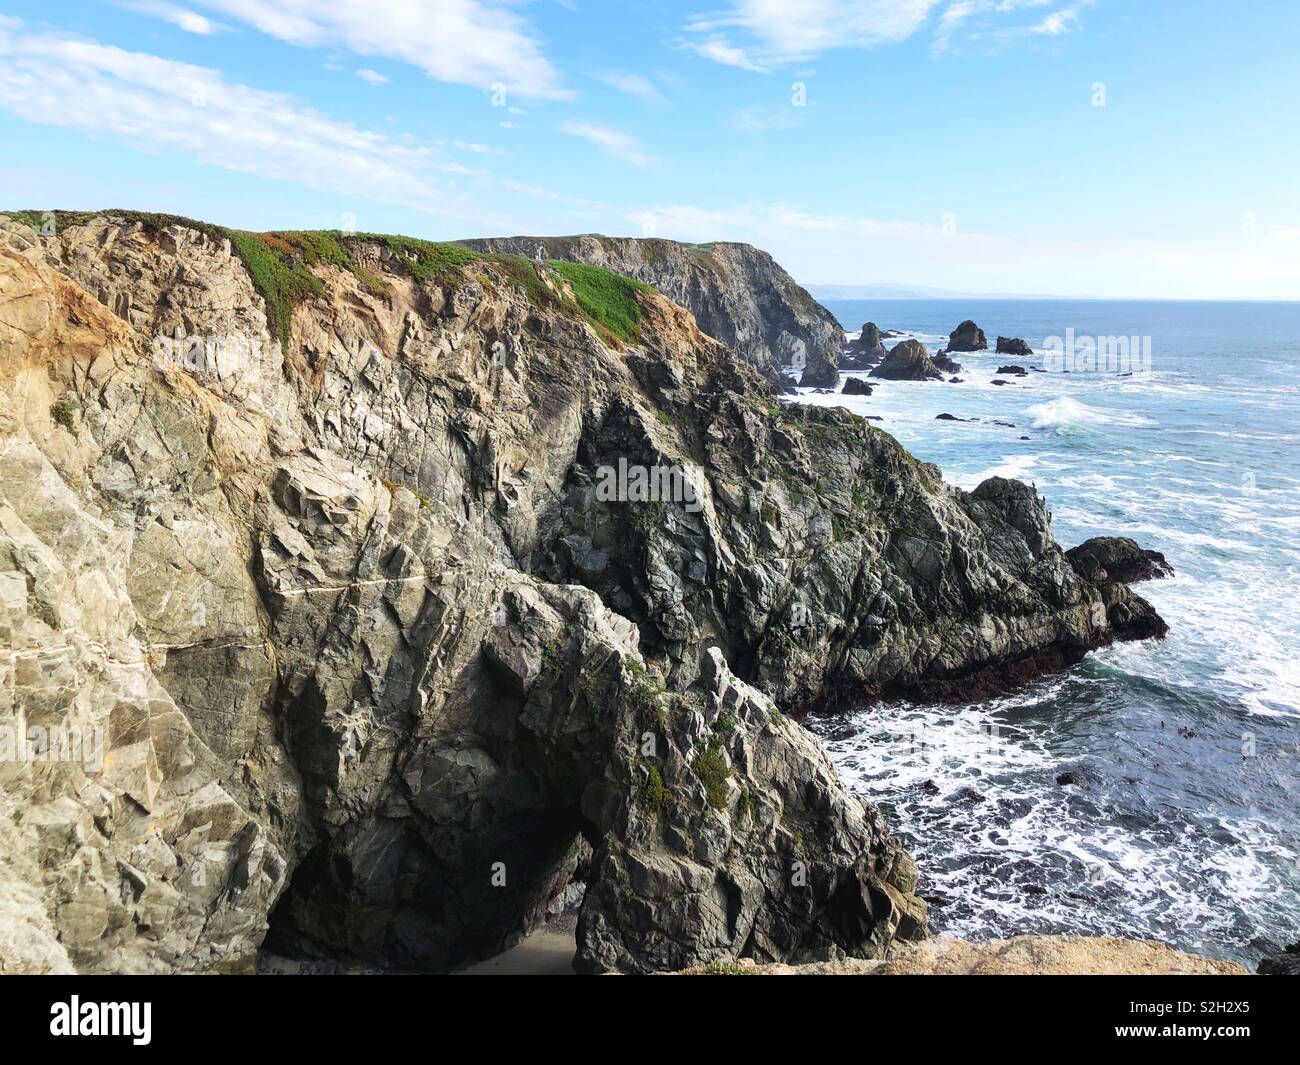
[370,650]
[967,337]
[737,293]
[908,361]
[1118,558]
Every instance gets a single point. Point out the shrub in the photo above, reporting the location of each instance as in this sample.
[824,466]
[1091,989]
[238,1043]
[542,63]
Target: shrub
[711,767]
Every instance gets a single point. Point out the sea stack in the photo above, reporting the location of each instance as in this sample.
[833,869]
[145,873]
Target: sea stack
[908,361]
[866,351]
[967,337]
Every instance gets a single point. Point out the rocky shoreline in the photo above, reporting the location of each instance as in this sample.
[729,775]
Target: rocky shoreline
[311,528]
[1021,956]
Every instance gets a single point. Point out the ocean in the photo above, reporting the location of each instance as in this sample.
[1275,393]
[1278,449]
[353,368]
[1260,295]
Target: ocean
[1153,790]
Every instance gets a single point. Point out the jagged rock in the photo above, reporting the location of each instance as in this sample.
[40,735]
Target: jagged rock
[370,648]
[943,363]
[865,351]
[908,361]
[1014,346]
[855,386]
[1117,558]
[967,337]
[736,292]
[1016,371]
[1285,963]
[726,851]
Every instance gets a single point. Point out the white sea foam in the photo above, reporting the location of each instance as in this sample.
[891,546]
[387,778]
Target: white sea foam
[1013,467]
[1065,413]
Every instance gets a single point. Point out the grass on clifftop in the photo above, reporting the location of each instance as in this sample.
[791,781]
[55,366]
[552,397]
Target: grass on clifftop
[608,299]
[280,265]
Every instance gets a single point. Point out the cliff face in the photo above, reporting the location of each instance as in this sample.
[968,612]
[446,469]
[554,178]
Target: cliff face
[378,663]
[737,293]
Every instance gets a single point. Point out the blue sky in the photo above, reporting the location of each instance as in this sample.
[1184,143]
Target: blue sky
[1109,148]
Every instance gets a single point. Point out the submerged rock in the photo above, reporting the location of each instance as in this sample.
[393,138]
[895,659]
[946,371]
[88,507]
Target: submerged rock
[907,361]
[1016,371]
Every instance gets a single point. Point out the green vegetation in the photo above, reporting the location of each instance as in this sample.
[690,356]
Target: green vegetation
[522,272]
[395,486]
[711,767]
[427,261]
[330,246]
[656,796]
[283,279]
[65,413]
[643,694]
[607,299]
[280,265]
[747,807]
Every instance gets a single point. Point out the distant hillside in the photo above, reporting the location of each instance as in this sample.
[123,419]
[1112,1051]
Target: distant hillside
[738,294]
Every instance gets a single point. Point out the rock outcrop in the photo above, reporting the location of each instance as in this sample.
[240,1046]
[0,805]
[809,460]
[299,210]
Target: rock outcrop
[1013,370]
[855,386]
[383,666]
[945,364]
[967,337]
[1284,963]
[737,293]
[1117,558]
[1014,346]
[773,857]
[865,351]
[907,361]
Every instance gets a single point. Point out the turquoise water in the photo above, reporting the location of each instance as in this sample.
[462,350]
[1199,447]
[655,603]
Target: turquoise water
[1184,821]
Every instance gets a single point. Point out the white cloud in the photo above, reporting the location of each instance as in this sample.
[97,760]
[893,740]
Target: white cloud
[633,84]
[158,104]
[784,31]
[762,34]
[189,21]
[478,149]
[979,20]
[717,49]
[482,43]
[1057,22]
[372,76]
[610,141]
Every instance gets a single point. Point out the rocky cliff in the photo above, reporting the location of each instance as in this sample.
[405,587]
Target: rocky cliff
[313,533]
[737,293]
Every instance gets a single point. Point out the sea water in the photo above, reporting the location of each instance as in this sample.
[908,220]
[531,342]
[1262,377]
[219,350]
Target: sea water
[1153,790]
